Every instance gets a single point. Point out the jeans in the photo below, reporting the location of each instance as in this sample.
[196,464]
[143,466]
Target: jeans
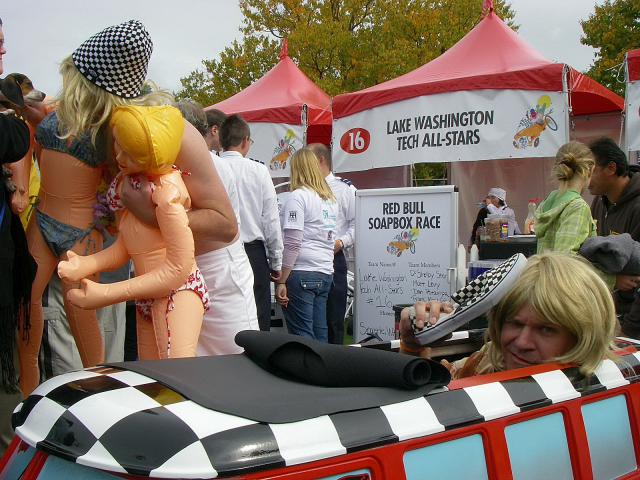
[337,299]
[306,314]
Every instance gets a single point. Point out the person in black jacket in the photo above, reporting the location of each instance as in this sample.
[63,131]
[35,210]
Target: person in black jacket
[616,209]
[17,268]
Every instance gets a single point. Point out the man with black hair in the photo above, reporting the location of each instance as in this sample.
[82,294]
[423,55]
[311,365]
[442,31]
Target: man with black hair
[259,215]
[616,209]
[212,137]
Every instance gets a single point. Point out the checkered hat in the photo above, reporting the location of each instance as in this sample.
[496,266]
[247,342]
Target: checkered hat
[116,59]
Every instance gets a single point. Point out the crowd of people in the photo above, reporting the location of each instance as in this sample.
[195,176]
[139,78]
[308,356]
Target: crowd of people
[199,220]
[201,223]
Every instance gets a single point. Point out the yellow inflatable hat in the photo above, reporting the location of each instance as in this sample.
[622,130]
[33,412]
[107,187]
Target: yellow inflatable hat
[150,135]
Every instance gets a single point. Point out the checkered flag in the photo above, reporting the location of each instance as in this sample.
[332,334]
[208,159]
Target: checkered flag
[476,298]
[116,59]
[483,284]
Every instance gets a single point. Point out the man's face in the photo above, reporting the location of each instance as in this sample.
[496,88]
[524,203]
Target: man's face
[527,339]
[2,49]
[600,181]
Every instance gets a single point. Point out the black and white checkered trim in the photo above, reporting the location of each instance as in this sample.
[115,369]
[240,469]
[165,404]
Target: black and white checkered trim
[116,59]
[483,284]
[474,299]
[123,422]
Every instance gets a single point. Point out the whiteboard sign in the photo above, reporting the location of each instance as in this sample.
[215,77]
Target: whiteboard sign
[406,242]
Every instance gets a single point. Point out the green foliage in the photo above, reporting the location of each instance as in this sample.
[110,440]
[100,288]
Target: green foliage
[341,45]
[613,29]
[239,65]
[428,174]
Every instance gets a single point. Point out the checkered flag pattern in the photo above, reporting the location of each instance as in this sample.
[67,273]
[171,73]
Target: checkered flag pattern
[483,284]
[124,422]
[116,59]
[473,300]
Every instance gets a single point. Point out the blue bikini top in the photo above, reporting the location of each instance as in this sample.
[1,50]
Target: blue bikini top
[80,146]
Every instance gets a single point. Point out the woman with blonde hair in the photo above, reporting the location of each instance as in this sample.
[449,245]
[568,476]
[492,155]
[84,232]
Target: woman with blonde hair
[107,70]
[563,219]
[308,220]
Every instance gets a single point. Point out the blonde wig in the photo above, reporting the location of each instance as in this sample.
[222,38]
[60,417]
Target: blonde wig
[565,290]
[573,160]
[86,107]
[305,172]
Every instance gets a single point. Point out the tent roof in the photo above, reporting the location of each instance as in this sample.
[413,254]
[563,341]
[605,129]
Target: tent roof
[278,96]
[633,64]
[490,56]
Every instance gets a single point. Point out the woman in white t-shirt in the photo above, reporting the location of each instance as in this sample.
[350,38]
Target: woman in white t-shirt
[308,220]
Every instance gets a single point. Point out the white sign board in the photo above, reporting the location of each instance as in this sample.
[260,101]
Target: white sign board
[452,126]
[633,115]
[273,145]
[406,241]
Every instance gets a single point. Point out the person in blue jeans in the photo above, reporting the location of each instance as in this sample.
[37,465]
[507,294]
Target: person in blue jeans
[309,225]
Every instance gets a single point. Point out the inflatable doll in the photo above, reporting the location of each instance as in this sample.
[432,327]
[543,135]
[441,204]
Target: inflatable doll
[168,287]
[25,174]
[74,151]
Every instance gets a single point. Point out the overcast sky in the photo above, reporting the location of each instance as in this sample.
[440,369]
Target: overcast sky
[40,33]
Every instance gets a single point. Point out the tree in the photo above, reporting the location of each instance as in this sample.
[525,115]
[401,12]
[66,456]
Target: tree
[341,45]
[239,65]
[613,29]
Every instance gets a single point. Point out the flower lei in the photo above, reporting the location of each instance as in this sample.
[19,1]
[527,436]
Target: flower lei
[103,218]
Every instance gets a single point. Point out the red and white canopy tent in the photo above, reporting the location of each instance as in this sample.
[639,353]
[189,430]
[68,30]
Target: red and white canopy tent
[632,100]
[285,111]
[491,97]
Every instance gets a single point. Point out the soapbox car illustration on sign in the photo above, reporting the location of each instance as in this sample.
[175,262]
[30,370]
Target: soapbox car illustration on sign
[535,121]
[283,152]
[404,241]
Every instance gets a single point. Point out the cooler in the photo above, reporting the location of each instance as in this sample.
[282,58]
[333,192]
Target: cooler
[476,267]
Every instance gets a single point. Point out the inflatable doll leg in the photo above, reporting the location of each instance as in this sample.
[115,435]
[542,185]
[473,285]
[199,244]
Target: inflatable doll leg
[185,321]
[153,335]
[84,323]
[85,330]
[29,342]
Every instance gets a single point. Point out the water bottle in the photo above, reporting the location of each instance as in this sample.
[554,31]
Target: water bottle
[529,228]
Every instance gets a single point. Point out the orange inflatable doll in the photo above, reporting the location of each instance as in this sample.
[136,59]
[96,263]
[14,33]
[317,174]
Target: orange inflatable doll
[168,287]
[74,146]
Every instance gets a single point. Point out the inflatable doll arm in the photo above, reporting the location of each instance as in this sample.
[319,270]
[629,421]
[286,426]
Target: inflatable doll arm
[20,176]
[161,281]
[76,267]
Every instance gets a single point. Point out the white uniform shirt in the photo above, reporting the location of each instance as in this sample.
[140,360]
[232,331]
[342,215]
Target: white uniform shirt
[345,194]
[228,179]
[305,210]
[258,205]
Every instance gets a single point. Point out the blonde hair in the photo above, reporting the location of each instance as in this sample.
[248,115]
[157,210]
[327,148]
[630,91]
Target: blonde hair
[305,172]
[565,290]
[573,159]
[86,107]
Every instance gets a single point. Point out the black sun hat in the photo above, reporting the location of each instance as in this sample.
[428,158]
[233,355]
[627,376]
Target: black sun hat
[116,59]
